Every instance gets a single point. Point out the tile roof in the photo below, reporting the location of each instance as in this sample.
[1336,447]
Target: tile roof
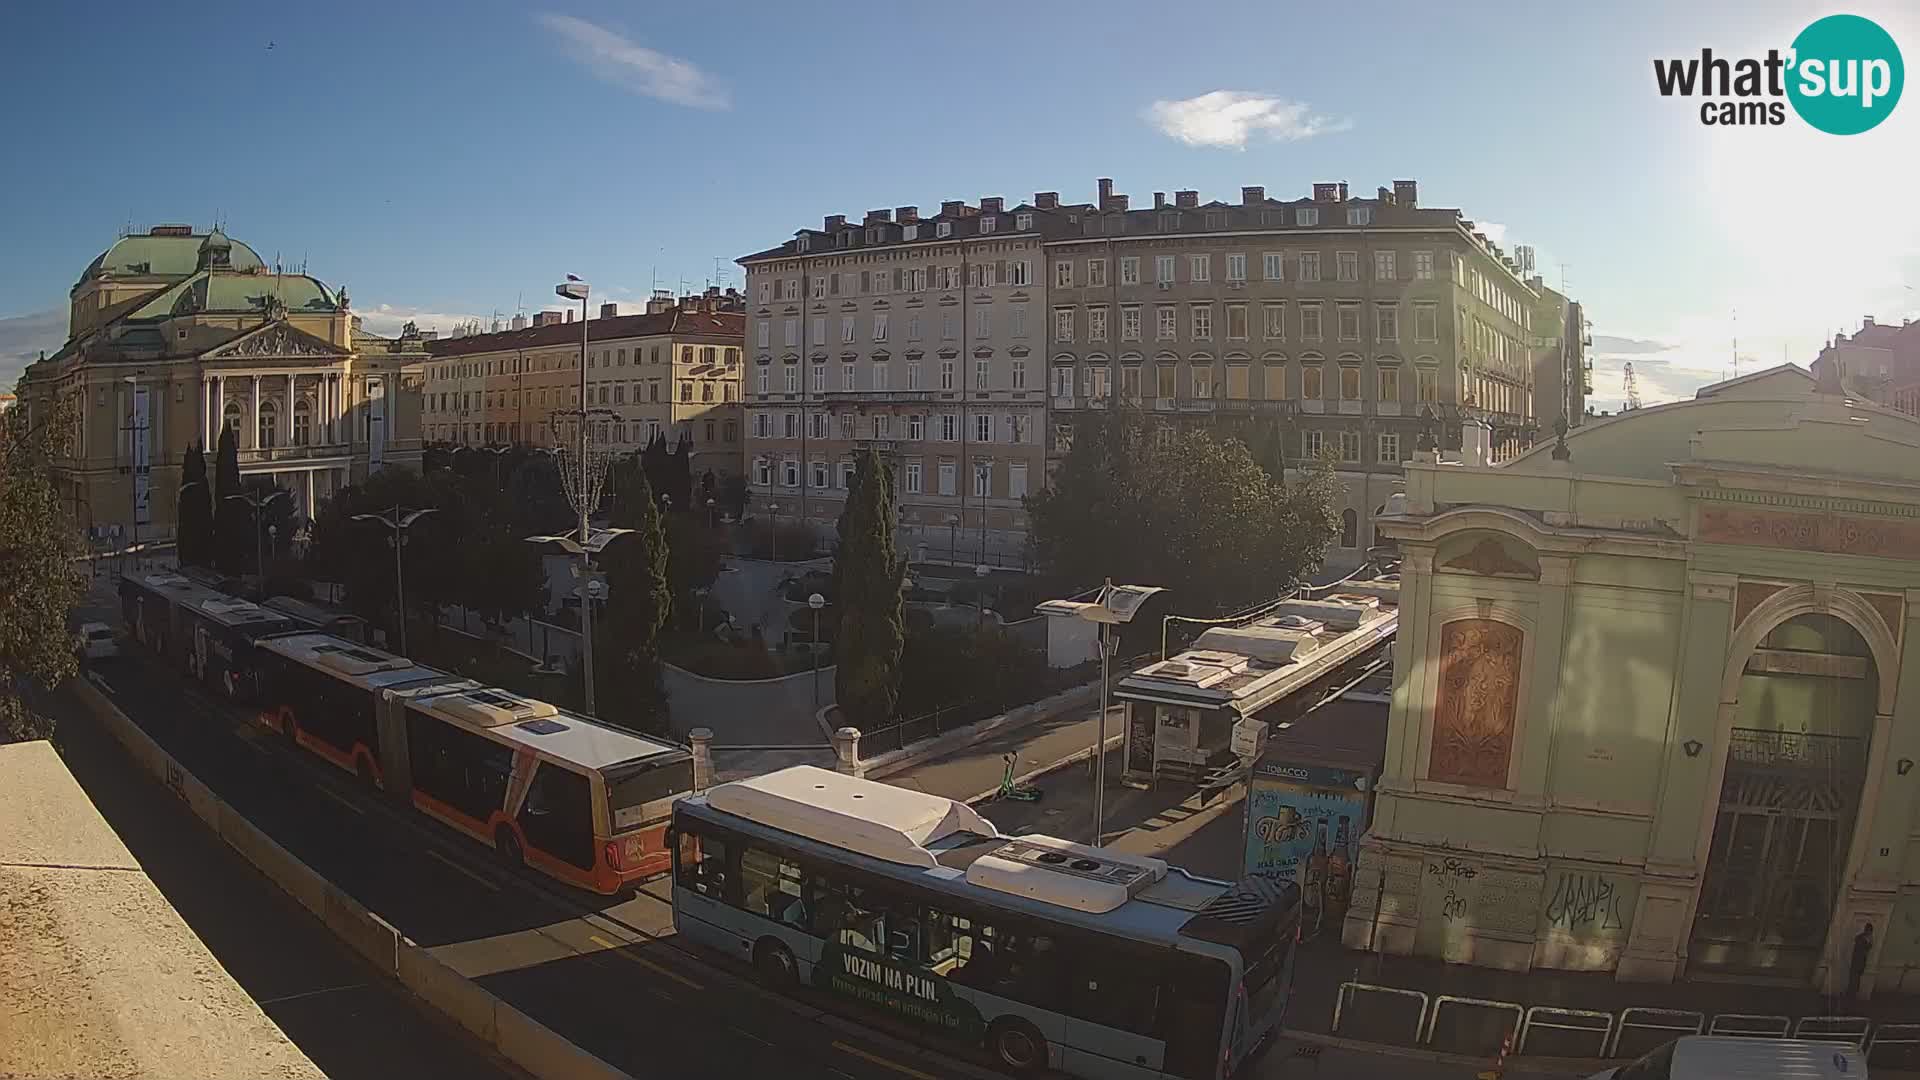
[725,328]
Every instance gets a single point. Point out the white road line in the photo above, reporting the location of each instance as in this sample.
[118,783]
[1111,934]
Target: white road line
[341,799]
[100,680]
[458,869]
[749,1035]
[311,993]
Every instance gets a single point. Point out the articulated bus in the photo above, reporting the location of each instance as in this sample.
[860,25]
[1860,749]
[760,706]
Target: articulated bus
[1046,953]
[577,800]
[208,634]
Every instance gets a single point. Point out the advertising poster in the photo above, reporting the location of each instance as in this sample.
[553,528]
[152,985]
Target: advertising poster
[1306,832]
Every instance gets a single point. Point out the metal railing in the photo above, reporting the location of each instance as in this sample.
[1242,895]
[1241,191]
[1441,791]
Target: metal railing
[904,733]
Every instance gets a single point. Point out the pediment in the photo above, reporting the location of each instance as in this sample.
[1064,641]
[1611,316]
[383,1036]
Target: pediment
[273,340]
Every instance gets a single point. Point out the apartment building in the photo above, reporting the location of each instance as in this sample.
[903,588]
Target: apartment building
[1342,320]
[922,337]
[1879,361]
[675,371]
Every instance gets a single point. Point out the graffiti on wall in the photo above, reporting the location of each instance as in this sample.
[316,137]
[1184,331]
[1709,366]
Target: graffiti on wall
[1587,903]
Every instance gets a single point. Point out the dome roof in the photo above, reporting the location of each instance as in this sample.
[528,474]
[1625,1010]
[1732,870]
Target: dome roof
[167,252]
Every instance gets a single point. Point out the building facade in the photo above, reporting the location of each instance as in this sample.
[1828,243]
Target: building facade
[1657,699]
[921,337]
[1879,361]
[175,335]
[674,373]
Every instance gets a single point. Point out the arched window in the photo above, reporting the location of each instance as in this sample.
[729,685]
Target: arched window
[269,425]
[230,416]
[1349,529]
[302,423]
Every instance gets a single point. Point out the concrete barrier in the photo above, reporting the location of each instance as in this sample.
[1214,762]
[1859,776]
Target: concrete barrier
[205,804]
[294,877]
[459,997]
[536,1048]
[370,935]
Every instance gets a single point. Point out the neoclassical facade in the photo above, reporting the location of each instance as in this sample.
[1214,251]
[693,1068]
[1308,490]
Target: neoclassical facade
[174,335]
[1657,701]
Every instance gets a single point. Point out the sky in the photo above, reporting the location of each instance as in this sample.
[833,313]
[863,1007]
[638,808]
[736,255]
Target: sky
[447,161]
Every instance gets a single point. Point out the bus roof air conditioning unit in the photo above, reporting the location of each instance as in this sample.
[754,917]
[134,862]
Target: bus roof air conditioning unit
[494,708]
[1066,874]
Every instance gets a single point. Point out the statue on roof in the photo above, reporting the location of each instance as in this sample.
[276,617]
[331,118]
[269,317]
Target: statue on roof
[345,303]
[273,307]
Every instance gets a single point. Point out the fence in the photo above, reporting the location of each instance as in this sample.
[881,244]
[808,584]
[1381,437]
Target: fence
[907,732]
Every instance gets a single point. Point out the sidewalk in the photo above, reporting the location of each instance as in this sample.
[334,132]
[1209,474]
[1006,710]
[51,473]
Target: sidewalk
[1042,746]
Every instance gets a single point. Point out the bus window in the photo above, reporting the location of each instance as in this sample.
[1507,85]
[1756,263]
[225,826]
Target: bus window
[703,865]
[1006,962]
[1193,1014]
[631,787]
[851,916]
[774,887]
[1115,988]
[465,771]
[557,816]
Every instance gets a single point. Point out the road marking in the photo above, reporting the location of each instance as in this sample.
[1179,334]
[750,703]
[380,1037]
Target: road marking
[883,1062]
[458,869]
[646,963]
[312,993]
[749,1035]
[100,680]
[341,799]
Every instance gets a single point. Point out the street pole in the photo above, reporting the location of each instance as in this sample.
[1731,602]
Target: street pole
[1100,745]
[399,580]
[586,559]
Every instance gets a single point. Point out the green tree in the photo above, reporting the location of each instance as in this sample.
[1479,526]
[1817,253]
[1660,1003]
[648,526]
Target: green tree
[232,521]
[38,543]
[639,603]
[867,577]
[358,554]
[693,562]
[274,521]
[194,542]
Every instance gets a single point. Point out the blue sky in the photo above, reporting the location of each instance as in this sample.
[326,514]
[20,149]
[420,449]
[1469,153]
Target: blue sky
[451,160]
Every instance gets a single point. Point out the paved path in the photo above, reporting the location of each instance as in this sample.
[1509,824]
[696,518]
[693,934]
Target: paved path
[773,712]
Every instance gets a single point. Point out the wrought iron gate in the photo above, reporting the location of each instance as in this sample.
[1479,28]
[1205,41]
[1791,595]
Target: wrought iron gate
[1787,812]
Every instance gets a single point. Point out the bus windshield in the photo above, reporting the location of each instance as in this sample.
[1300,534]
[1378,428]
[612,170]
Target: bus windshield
[630,788]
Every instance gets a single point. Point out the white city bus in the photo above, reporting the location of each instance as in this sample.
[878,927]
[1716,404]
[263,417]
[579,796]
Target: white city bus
[1045,953]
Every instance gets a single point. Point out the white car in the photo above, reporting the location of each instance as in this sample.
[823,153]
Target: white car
[1720,1057]
[95,641]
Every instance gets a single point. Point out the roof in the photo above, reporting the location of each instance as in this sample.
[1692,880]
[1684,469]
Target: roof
[886,822]
[1343,732]
[363,665]
[103,977]
[227,290]
[163,256]
[545,728]
[1787,378]
[1719,1057]
[724,328]
[215,605]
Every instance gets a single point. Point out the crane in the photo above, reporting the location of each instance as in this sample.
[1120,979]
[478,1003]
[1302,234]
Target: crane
[1629,386]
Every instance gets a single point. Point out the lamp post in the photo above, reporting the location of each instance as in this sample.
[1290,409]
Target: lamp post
[398,521]
[498,452]
[596,542]
[816,602]
[981,572]
[774,509]
[711,504]
[135,446]
[255,502]
[953,538]
[1115,606]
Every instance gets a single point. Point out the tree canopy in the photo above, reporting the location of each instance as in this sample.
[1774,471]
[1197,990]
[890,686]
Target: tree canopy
[232,522]
[867,576]
[193,543]
[38,543]
[639,603]
[1196,514]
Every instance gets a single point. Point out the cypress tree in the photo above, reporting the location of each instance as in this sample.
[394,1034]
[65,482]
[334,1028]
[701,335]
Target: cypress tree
[867,576]
[639,603]
[232,521]
[194,542]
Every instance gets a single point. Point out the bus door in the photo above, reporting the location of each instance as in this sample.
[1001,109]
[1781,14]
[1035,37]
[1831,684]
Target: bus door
[199,652]
[1112,1007]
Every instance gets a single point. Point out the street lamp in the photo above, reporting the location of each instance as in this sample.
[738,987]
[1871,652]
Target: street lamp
[597,541]
[254,501]
[135,444]
[816,602]
[711,503]
[1116,605]
[498,452]
[953,538]
[399,521]
[981,572]
[774,509]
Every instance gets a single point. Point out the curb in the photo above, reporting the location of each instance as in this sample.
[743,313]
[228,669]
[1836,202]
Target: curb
[515,1036]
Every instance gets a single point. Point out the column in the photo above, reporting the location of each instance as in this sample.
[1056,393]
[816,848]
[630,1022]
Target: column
[253,419]
[1543,691]
[206,411]
[286,415]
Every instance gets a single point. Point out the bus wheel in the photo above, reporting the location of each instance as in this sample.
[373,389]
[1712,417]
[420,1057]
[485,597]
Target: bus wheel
[775,964]
[1017,1046]
[508,846]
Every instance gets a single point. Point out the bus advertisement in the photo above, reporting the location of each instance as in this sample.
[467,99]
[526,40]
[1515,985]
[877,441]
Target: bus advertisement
[1043,953]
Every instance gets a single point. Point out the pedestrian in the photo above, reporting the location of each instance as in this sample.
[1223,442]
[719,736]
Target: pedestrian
[1862,949]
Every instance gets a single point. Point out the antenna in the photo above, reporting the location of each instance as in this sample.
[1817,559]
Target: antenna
[1630,386]
[1736,343]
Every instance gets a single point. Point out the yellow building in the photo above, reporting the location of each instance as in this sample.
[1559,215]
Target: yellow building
[174,335]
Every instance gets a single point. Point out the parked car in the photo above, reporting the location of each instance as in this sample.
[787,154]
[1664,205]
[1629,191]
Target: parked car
[1721,1057]
[95,641]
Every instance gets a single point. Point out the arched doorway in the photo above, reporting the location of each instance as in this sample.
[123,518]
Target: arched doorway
[1795,771]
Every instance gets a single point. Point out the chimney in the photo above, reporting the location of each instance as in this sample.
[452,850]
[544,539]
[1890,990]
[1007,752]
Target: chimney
[569,317]
[1326,192]
[1159,200]
[1119,203]
[835,222]
[1384,196]
[519,322]
[1251,195]
[990,204]
[1106,191]
[1186,200]
[906,215]
[1866,321]
[1406,193]
[952,207]
[1343,191]
[1046,200]
[547,318]
[609,311]
[882,216]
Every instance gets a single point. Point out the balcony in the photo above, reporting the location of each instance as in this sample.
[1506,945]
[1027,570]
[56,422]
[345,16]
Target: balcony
[1350,408]
[874,396]
[279,454]
[1164,404]
[1312,406]
[1065,403]
[1387,408]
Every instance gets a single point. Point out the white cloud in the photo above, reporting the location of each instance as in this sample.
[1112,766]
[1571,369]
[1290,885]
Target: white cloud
[388,319]
[1227,118]
[618,60]
[23,337]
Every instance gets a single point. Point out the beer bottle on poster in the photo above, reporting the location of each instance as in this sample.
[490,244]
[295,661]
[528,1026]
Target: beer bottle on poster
[1317,864]
[1339,866]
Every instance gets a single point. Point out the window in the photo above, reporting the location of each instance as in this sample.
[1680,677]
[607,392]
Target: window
[1349,315]
[816,425]
[1386,322]
[845,478]
[1309,322]
[943,229]
[1307,215]
[762,426]
[1063,274]
[1097,385]
[1023,222]
[1349,528]
[1163,269]
[1359,215]
[1167,322]
[947,477]
[1019,374]
[1096,273]
[946,374]
[913,374]
[1019,320]
[1309,266]
[1349,451]
[1130,271]
[987,223]
[1017,272]
[982,373]
[1238,381]
[1130,324]
[1349,382]
[1097,324]
[1063,324]
[1276,321]
[1130,382]
[702,865]
[1389,447]
[1389,384]
[1236,268]
[880,375]
[792,333]
[819,472]
[1236,322]
[1017,480]
[1384,266]
[302,423]
[792,380]
[847,377]
[819,331]
[1273,377]
[765,292]
[916,277]
[789,425]
[913,328]
[883,426]
[913,476]
[949,428]
[790,473]
[762,332]
[1423,266]
[1063,382]
[1310,378]
[1199,268]
[1426,322]
[1312,444]
[916,427]
[269,425]
[1203,322]
[1347,265]
[1426,381]
[846,328]
[1203,382]
[819,286]
[983,323]
[1270,266]
[880,326]
[763,472]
